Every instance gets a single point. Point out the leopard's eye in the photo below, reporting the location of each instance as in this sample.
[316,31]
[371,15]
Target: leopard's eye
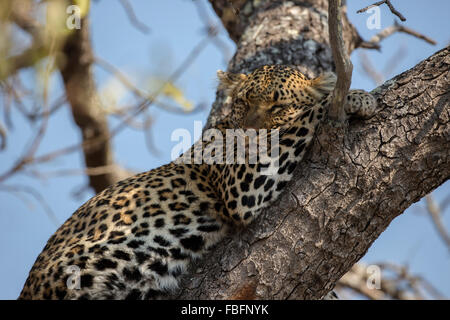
[275,96]
[275,108]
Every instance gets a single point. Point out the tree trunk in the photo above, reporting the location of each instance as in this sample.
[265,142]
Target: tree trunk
[355,179]
[86,109]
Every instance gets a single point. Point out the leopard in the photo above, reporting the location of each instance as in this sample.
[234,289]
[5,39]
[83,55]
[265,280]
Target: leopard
[138,237]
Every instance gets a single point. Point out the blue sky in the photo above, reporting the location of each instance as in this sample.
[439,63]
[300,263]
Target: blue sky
[175,30]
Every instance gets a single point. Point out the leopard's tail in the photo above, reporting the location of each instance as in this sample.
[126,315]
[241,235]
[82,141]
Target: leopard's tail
[322,85]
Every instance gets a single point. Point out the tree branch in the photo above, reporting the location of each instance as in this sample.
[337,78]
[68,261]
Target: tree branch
[351,185]
[80,88]
[87,113]
[396,27]
[401,285]
[344,66]
[435,214]
[21,14]
[133,18]
[379,3]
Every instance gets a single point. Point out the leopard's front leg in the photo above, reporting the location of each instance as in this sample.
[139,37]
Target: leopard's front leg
[360,103]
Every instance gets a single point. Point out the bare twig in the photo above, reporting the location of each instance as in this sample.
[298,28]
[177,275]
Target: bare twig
[356,280]
[105,65]
[77,192]
[3,136]
[376,76]
[142,106]
[21,15]
[95,171]
[102,139]
[415,34]
[369,45]
[203,13]
[140,93]
[399,284]
[133,18]
[435,293]
[394,61]
[435,214]
[415,282]
[212,29]
[23,60]
[396,27]
[370,70]
[91,143]
[148,122]
[445,203]
[16,190]
[173,109]
[12,96]
[374,42]
[80,91]
[28,155]
[342,61]
[379,3]
[172,78]
[46,113]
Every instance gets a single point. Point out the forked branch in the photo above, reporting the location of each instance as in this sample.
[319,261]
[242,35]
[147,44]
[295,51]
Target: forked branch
[379,3]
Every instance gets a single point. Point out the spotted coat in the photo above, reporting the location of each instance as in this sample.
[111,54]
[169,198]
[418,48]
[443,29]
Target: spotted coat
[134,239]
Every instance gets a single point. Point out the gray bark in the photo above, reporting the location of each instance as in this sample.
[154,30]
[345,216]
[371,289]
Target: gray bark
[355,178]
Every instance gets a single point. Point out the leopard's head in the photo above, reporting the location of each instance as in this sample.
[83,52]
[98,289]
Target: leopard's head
[260,96]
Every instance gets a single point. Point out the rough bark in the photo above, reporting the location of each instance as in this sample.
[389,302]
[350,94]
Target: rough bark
[355,178]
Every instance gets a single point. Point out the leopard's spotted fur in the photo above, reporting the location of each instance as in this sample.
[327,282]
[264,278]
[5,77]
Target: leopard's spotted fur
[134,239]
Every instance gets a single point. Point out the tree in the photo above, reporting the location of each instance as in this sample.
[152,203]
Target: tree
[357,177]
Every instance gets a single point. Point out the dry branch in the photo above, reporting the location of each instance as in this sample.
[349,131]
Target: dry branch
[108,67]
[95,142]
[19,190]
[435,214]
[21,14]
[86,109]
[3,136]
[375,40]
[378,77]
[81,93]
[399,284]
[133,18]
[344,66]
[370,70]
[28,155]
[101,139]
[379,3]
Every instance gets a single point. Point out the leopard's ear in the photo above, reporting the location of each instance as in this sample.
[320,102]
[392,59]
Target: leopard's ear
[228,81]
